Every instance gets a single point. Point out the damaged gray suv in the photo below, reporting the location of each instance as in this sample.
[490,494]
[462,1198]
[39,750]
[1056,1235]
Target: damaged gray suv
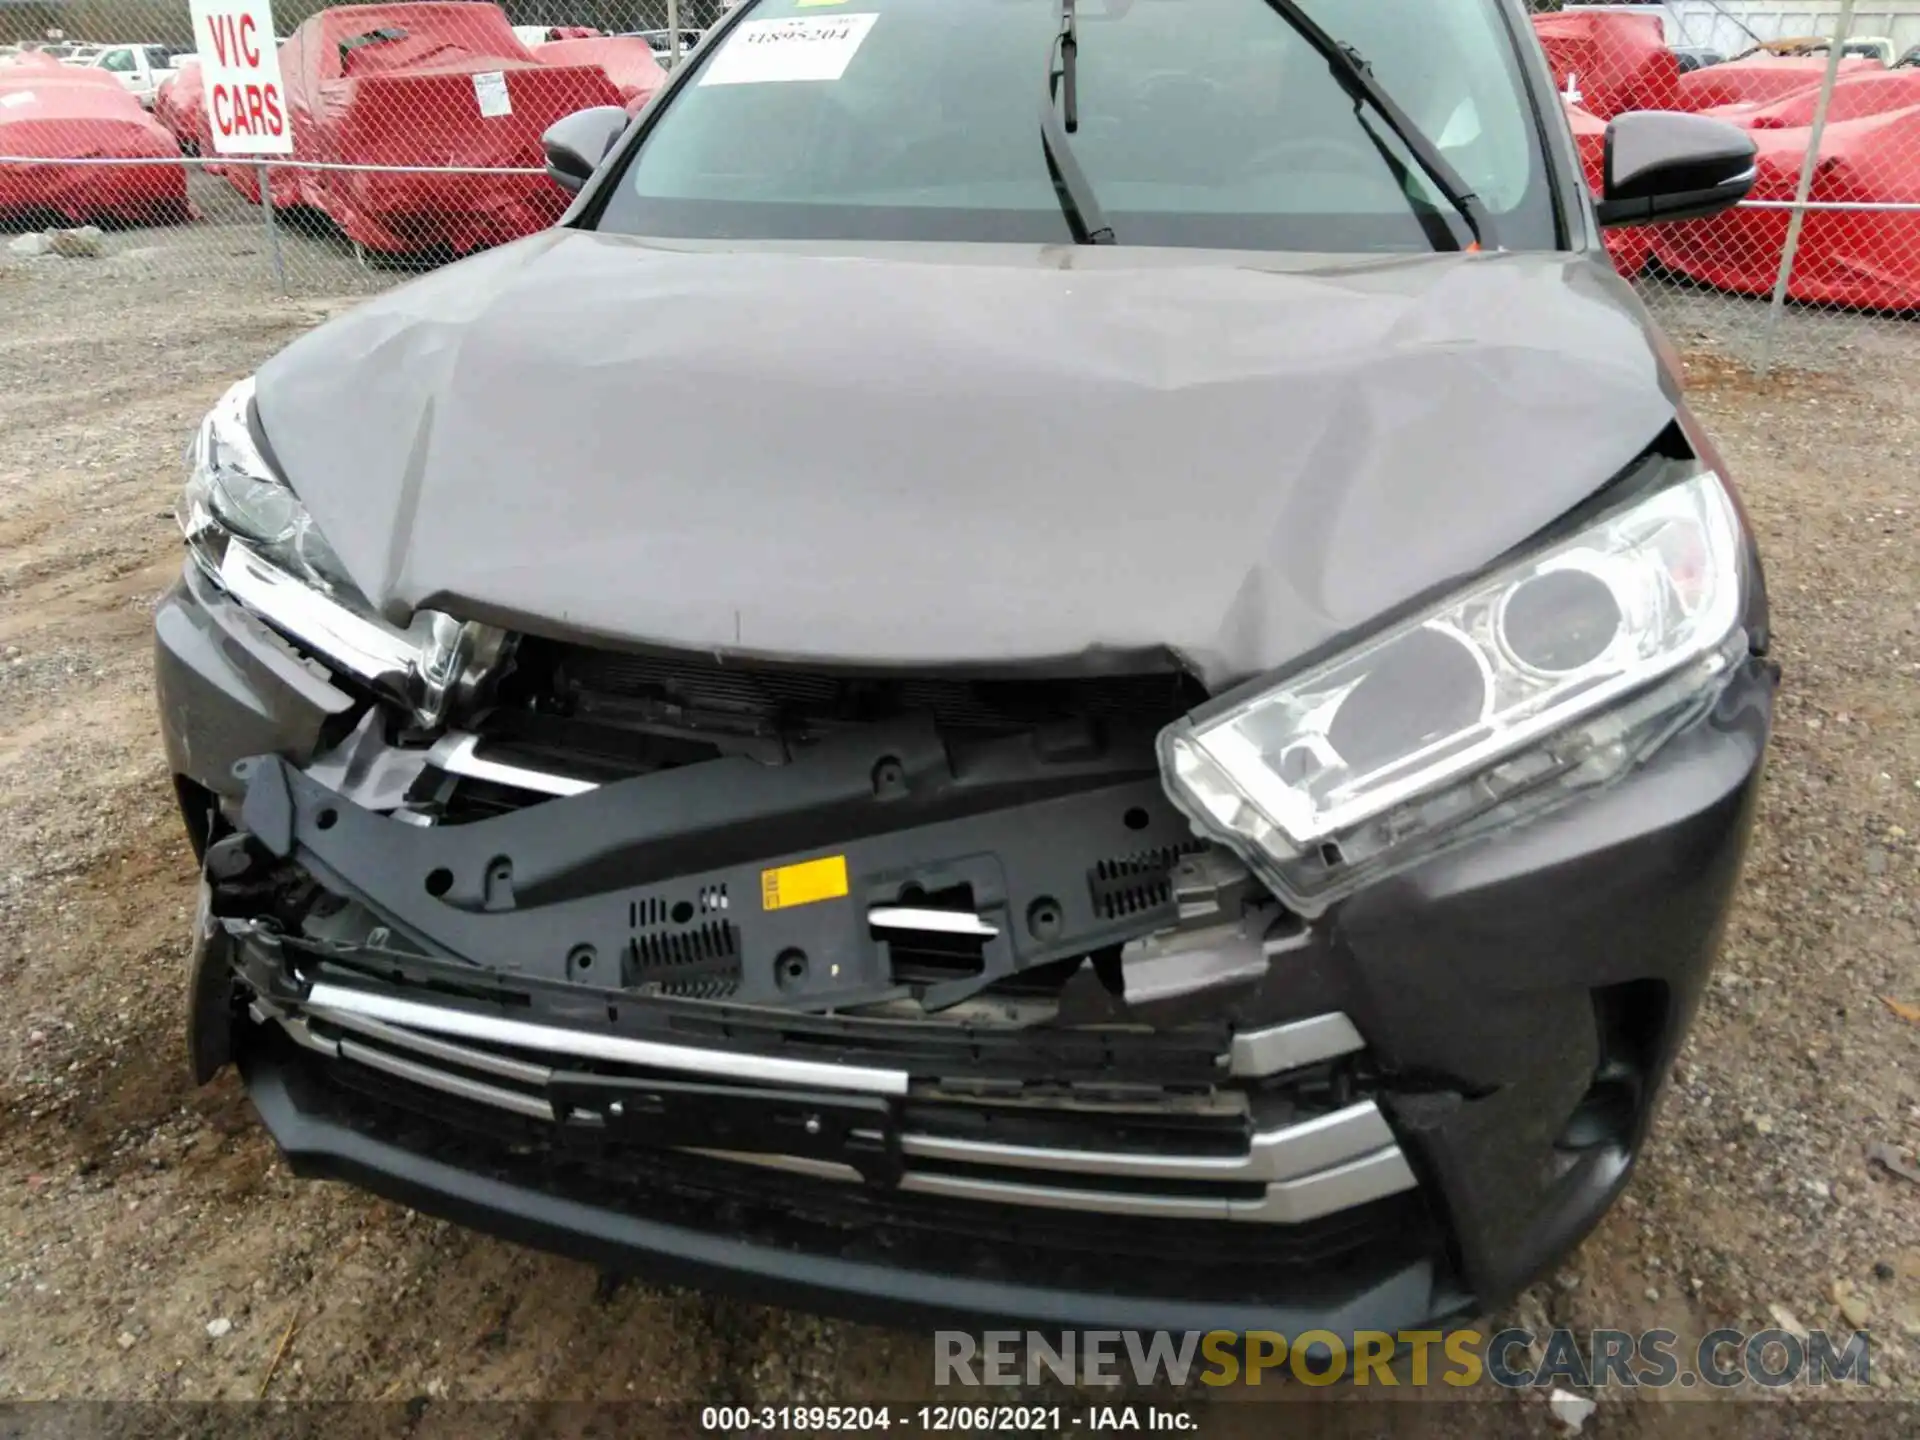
[1069,663]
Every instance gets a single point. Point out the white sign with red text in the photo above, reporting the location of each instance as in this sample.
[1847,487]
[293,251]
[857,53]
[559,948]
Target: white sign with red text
[240,73]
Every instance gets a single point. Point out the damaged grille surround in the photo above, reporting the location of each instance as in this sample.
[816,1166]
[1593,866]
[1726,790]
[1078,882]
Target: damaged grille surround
[1248,1151]
[615,957]
[933,1246]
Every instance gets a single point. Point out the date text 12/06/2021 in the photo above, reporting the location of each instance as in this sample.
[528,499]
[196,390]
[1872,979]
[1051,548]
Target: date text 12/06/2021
[944,1419]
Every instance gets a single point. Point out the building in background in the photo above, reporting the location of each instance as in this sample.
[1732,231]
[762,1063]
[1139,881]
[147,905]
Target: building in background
[30,20]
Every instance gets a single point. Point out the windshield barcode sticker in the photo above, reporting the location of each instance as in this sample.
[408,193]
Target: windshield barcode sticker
[803,884]
[807,47]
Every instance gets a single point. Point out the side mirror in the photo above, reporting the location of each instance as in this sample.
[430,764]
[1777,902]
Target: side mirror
[576,143]
[1665,165]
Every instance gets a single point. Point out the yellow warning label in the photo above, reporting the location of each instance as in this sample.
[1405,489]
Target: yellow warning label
[804,883]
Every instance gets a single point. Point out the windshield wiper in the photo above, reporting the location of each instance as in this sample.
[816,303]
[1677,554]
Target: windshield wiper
[1355,76]
[1078,203]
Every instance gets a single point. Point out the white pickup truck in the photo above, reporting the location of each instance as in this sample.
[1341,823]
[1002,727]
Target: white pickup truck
[140,68]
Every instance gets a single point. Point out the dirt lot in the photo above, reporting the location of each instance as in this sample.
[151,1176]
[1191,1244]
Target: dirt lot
[151,1246]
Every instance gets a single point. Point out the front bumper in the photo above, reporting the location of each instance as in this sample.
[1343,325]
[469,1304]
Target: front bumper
[830,1246]
[1502,1019]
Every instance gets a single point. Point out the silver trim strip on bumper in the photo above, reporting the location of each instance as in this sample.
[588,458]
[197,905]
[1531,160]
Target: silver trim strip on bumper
[1274,1155]
[517,1101]
[1371,1177]
[484,1060]
[795,1164]
[657,1054]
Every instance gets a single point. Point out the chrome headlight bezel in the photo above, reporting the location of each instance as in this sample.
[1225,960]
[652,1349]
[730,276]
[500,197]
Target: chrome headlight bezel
[248,531]
[1268,774]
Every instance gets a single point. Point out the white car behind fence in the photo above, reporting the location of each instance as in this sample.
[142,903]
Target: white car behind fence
[140,68]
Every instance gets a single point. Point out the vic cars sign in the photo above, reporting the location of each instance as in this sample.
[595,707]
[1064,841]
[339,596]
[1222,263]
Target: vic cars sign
[240,70]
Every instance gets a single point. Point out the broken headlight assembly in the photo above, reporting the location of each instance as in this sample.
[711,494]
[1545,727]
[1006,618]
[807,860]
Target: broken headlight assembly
[1554,674]
[249,532]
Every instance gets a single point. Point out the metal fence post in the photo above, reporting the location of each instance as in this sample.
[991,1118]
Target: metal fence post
[673,30]
[273,230]
[1842,24]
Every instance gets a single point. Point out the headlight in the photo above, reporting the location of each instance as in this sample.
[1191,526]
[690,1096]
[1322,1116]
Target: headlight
[1554,675]
[233,493]
[249,532]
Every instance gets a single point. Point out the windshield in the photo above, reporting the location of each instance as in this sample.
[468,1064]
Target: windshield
[1201,122]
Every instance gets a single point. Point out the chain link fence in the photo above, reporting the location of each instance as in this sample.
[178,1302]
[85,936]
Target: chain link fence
[416,139]
[1823,258]
[416,132]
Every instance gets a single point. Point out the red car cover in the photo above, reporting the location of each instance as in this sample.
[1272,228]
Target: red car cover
[17,68]
[628,62]
[33,62]
[63,112]
[180,104]
[436,86]
[1608,62]
[1760,79]
[1867,92]
[1631,245]
[1857,258]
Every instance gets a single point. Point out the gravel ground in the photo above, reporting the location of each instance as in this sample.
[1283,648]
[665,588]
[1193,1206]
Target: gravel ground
[226,245]
[152,1247]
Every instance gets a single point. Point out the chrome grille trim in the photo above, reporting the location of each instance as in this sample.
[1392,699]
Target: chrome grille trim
[517,1101]
[301,1033]
[371,649]
[456,753]
[1371,1177]
[1303,1171]
[588,1045]
[1298,1043]
[795,1164]
[483,1060]
[1272,1156]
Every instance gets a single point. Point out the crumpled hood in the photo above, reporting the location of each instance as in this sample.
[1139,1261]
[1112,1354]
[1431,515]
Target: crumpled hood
[931,455]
